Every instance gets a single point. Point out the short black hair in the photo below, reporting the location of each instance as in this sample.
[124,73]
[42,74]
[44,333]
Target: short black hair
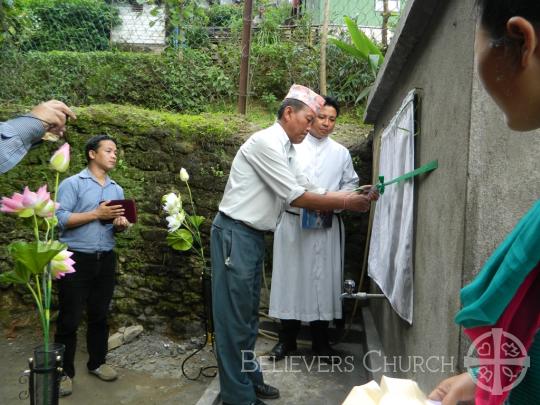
[296,105]
[494,14]
[332,102]
[93,144]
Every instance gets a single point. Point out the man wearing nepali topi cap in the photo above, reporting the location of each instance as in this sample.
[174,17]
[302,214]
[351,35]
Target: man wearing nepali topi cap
[263,179]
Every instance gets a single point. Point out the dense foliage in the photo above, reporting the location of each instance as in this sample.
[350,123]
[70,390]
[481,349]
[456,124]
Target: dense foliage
[195,75]
[76,25]
[196,82]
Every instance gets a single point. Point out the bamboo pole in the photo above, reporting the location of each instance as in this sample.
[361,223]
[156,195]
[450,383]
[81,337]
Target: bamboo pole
[244,61]
[324,41]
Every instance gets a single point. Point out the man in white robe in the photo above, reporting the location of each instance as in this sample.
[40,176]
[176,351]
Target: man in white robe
[308,263]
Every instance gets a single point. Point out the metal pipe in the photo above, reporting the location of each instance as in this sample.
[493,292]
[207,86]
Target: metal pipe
[361,296]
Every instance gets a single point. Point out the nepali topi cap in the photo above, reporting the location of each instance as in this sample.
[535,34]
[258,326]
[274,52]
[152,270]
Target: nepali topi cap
[307,96]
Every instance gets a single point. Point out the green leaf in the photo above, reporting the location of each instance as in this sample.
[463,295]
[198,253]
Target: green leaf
[363,94]
[181,239]
[196,220]
[347,48]
[374,62]
[11,277]
[32,257]
[358,38]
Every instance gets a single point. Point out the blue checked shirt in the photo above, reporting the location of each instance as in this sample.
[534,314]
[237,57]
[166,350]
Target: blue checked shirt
[16,138]
[83,193]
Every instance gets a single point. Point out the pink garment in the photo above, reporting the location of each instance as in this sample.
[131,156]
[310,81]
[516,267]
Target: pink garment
[498,348]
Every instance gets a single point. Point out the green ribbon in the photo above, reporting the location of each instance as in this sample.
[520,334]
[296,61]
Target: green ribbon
[380,186]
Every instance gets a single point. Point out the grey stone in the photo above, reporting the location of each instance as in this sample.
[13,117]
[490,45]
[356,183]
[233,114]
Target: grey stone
[115,340]
[132,332]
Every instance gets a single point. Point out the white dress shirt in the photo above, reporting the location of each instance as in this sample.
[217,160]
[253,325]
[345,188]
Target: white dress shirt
[262,180]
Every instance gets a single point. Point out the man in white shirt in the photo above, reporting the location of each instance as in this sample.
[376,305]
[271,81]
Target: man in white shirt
[308,263]
[262,180]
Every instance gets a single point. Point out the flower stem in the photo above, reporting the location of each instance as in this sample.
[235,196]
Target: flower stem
[40,308]
[36,228]
[197,233]
[55,195]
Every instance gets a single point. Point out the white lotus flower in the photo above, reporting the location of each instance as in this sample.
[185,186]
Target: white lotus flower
[173,203]
[175,221]
[184,176]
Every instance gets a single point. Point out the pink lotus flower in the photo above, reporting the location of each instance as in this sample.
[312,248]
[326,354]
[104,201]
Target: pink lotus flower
[25,204]
[13,204]
[48,210]
[62,264]
[60,158]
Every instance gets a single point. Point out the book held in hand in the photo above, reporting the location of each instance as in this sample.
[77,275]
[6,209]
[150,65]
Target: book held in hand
[316,219]
[130,210]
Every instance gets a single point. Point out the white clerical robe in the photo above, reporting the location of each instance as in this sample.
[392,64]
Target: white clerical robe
[308,263]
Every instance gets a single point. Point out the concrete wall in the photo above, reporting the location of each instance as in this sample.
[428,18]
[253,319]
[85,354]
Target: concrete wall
[487,179]
[504,180]
[441,67]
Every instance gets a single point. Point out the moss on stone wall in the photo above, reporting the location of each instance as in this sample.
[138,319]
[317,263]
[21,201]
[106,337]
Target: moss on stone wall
[157,286]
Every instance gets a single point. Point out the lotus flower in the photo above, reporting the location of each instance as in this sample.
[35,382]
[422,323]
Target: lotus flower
[184,176]
[13,204]
[48,210]
[175,221]
[173,203]
[25,204]
[60,158]
[62,264]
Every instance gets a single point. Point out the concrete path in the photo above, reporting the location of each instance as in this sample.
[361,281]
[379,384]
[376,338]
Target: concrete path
[302,378]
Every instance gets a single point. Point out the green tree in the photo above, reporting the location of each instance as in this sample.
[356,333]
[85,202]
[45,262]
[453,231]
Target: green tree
[361,48]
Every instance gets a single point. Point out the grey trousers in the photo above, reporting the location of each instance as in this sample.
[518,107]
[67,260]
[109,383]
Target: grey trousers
[237,256]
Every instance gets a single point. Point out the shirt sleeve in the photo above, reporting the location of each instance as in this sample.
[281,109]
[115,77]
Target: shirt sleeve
[67,197]
[349,178]
[270,164]
[120,193]
[16,138]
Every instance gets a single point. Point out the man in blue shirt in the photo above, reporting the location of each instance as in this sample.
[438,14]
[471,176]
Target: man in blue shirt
[20,134]
[87,225]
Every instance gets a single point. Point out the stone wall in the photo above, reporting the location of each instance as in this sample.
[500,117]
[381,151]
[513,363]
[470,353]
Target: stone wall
[158,286]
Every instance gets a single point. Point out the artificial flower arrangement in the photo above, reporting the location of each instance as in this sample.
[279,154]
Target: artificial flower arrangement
[38,262]
[183,227]
[391,391]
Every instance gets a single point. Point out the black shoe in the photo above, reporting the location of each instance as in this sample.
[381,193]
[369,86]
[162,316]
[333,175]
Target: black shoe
[280,350]
[266,391]
[257,402]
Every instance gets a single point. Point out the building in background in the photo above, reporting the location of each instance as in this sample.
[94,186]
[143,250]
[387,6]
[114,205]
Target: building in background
[142,27]
[367,13]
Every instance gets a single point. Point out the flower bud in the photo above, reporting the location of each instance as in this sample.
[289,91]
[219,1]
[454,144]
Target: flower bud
[47,209]
[60,158]
[184,176]
[62,264]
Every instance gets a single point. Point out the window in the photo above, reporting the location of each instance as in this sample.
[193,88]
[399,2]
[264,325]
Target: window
[393,5]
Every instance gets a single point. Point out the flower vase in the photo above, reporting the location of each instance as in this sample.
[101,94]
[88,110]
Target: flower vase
[207,300]
[45,373]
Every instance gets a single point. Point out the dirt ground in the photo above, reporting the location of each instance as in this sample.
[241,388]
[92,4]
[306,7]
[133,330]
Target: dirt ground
[132,387]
